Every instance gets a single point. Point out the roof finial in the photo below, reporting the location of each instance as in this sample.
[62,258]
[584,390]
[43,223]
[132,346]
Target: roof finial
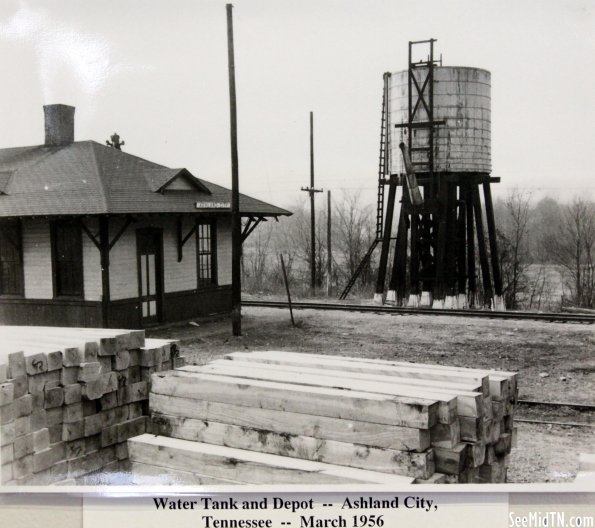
[115,141]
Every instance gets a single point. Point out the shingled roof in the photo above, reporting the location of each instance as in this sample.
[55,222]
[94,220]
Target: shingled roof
[87,178]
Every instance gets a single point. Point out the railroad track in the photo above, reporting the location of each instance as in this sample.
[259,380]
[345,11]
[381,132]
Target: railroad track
[394,310]
[580,407]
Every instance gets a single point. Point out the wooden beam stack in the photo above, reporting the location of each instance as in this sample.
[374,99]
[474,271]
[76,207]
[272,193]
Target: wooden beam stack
[430,423]
[70,398]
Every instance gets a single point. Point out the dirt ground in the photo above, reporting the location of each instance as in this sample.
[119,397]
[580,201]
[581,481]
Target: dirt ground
[556,362]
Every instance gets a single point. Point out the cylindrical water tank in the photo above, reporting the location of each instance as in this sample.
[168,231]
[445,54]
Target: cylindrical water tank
[461,99]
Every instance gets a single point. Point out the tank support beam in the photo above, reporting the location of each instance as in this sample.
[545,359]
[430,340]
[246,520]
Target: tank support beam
[390,206]
[487,193]
[481,246]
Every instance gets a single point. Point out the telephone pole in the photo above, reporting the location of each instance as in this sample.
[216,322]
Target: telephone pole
[311,190]
[329,253]
[236,226]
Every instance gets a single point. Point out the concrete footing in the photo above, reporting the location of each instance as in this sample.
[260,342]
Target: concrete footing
[413,301]
[498,304]
[462,301]
[426,299]
[451,302]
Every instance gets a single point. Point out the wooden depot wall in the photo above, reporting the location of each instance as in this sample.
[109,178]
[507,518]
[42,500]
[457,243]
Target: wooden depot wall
[182,298]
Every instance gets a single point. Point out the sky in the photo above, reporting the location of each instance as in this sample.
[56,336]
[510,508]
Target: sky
[156,72]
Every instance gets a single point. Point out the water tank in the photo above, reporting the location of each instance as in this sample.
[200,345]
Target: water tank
[461,98]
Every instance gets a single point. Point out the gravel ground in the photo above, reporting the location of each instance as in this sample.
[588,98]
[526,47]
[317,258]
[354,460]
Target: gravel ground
[556,362]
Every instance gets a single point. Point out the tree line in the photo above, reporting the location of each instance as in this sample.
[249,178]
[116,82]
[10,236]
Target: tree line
[547,250]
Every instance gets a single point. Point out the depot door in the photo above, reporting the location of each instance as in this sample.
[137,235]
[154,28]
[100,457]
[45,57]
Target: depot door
[149,244]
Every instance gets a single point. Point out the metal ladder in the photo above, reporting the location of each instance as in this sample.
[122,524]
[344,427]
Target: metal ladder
[382,159]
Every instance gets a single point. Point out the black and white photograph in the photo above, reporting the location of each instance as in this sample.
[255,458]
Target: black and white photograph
[320,244]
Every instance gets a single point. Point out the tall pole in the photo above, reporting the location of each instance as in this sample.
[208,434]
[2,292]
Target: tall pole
[312,210]
[329,253]
[311,190]
[236,227]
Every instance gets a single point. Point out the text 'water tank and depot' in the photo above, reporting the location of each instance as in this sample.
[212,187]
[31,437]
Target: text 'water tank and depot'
[462,98]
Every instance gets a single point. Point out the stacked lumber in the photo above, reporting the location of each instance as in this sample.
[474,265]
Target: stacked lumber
[175,461]
[429,423]
[70,398]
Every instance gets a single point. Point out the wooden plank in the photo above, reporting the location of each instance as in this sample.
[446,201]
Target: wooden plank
[447,404]
[416,465]
[72,431]
[409,370]
[125,339]
[497,374]
[471,385]
[446,435]
[512,377]
[95,389]
[6,393]
[23,406]
[468,403]
[148,474]
[122,360]
[89,372]
[38,382]
[436,478]
[93,461]
[450,460]
[72,413]
[504,444]
[72,393]
[130,428]
[54,397]
[472,429]
[22,426]
[476,453]
[41,439]
[351,431]
[36,364]
[320,401]
[16,364]
[6,454]
[7,434]
[23,446]
[248,466]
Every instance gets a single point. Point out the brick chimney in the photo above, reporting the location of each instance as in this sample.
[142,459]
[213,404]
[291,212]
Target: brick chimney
[59,125]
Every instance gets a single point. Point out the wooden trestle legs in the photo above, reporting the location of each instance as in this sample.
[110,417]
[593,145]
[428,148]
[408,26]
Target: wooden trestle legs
[438,244]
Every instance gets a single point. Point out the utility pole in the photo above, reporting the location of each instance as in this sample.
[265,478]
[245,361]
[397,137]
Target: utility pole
[236,226]
[311,190]
[329,253]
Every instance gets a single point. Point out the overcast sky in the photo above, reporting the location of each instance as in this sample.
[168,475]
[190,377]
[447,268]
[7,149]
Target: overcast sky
[156,72]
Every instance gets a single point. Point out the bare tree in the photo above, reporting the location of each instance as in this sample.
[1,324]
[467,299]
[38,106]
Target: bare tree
[255,257]
[572,246]
[353,232]
[514,246]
